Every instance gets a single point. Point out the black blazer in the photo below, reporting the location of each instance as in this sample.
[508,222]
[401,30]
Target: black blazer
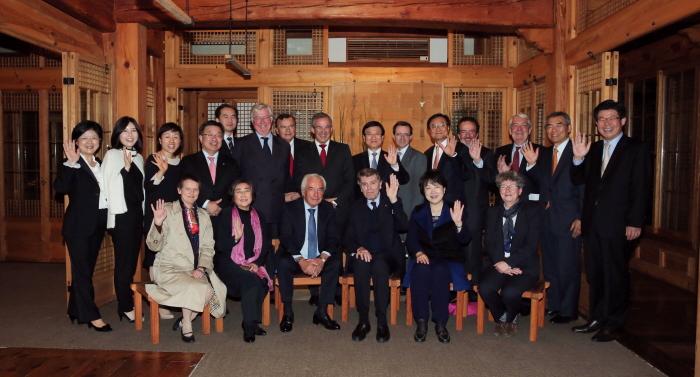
[476,190]
[531,186]
[293,228]
[268,175]
[392,220]
[83,216]
[440,240]
[224,146]
[224,239]
[361,161]
[227,171]
[300,148]
[453,170]
[619,198]
[523,252]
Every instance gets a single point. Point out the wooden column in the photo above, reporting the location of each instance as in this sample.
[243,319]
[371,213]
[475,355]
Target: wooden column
[3,241]
[44,175]
[560,81]
[130,58]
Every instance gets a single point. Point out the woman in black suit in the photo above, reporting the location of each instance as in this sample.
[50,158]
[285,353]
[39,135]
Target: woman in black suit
[123,172]
[80,177]
[242,243]
[437,233]
[512,234]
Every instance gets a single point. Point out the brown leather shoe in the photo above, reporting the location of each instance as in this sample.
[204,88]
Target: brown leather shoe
[510,329]
[499,329]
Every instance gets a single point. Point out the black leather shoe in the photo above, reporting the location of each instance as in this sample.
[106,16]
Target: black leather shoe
[606,335]
[105,328]
[360,331]
[561,319]
[326,321]
[313,300]
[287,323]
[551,313]
[586,328]
[187,338]
[256,329]
[442,334]
[249,336]
[421,330]
[383,333]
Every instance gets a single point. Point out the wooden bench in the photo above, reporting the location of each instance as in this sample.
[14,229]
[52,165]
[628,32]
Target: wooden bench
[298,281]
[347,284]
[139,290]
[538,301]
[462,302]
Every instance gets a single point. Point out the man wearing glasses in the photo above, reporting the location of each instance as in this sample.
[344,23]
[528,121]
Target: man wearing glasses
[446,155]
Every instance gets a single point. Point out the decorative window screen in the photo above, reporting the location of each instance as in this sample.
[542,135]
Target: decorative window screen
[279,49]
[244,119]
[590,12]
[483,104]
[55,147]
[217,38]
[589,81]
[526,51]
[488,51]
[149,126]
[524,99]
[302,103]
[94,82]
[538,133]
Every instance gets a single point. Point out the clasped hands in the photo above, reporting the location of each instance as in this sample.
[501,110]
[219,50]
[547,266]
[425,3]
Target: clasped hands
[312,267]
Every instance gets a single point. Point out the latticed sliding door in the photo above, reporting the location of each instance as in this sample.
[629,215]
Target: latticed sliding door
[486,105]
[302,103]
[87,95]
[530,100]
[593,82]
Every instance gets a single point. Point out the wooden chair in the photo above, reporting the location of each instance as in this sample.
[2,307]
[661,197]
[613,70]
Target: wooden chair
[298,281]
[462,302]
[538,301]
[139,290]
[347,284]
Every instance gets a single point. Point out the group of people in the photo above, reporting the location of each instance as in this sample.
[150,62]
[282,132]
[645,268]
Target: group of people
[209,218]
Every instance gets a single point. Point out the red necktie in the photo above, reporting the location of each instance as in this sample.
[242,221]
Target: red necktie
[515,164]
[291,164]
[323,155]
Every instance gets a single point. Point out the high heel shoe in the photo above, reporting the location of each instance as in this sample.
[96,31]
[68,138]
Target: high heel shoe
[72,318]
[178,324]
[124,315]
[105,328]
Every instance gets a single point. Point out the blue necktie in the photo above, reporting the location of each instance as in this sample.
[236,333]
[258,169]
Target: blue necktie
[266,146]
[313,239]
[373,165]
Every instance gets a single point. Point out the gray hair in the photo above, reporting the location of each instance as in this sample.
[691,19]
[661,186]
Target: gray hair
[305,180]
[520,115]
[510,176]
[563,115]
[258,107]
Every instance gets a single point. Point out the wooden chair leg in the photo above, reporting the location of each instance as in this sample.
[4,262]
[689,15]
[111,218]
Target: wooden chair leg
[219,324]
[155,322]
[534,319]
[206,320]
[465,308]
[353,304]
[409,308]
[344,301]
[393,304]
[138,311]
[266,310]
[480,309]
[459,320]
[542,305]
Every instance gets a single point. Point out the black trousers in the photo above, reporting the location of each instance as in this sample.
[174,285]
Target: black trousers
[83,253]
[287,268]
[475,256]
[430,290]
[511,288]
[126,236]
[607,272]
[562,269]
[378,271]
[246,285]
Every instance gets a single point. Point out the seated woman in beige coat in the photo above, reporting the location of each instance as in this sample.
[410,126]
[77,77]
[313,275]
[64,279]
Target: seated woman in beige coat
[183,271]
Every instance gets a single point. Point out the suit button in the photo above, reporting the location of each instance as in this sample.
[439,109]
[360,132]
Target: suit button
[596,203]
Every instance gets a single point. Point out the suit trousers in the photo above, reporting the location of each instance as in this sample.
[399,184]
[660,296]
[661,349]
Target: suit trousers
[287,268]
[607,272]
[561,267]
[127,237]
[244,284]
[511,288]
[475,254]
[430,290]
[378,270]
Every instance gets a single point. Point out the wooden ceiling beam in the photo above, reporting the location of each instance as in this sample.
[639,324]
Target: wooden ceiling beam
[97,14]
[30,78]
[543,39]
[467,14]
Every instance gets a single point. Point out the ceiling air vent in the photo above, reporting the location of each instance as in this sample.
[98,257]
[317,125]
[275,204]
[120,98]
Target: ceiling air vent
[408,50]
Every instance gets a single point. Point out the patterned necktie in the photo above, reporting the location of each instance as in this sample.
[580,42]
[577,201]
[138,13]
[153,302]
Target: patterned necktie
[312,251]
[555,159]
[436,157]
[373,164]
[229,142]
[515,163]
[266,146]
[212,168]
[323,155]
[606,158]
[291,164]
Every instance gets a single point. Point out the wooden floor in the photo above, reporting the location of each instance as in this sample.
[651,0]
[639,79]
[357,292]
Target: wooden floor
[42,362]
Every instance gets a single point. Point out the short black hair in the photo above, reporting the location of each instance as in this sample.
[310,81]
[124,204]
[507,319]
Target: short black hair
[609,104]
[469,119]
[167,127]
[210,123]
[563,115]
[431,176]
[284,116]
[241,181]
[120,126]
[321,115]
[186,177]
[85,126]
[370,124]
[367,172]
[224,105]
[402,123]
[438,115]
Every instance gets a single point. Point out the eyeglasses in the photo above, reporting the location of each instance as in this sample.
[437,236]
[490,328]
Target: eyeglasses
[555,126]
[509,187]
[434,126]
[213,136]
[609,119]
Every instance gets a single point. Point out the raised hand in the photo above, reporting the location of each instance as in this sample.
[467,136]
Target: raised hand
[501,164]
[451,146]
[422,258]
[71,151]
[127,159]
[530,153]
[237,229]
[581,145]
[159,213]
[456,213]
[392,157]
[475,149]
[392,188]
[161,162]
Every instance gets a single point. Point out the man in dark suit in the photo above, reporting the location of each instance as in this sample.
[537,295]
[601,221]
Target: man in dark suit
[375,158]
[550,167]
[215,171]
[286,128]
[309,244]
[616,171]
[227,115]
[510,156]
[481,162]
[372,239]
[264,161]
[446,156]
[415,164]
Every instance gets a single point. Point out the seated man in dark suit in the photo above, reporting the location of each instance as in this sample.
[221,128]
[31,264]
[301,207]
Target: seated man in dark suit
[375,158]
[372,238]
[309,244]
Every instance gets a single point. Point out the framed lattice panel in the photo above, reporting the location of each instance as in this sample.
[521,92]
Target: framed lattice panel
[245,120]
[526,51]
[589,82]
[486,105]
[590,12]
[213,45]
[538,121]
[483,51]
[281,54]
[303,103]
[524,99]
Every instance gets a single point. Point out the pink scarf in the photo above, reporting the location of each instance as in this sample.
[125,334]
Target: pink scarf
[238,254]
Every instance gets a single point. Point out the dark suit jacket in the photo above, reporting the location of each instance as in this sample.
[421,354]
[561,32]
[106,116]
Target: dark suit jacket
[227,171]
[338,172]
[619,198]
[453,170]
[564,197]
[300,148]
[268,175]
[224,146]
[293,229]
[476,190]
[82,216]
[414,163]
[361,161]
[440,240]
[530,185]
[391,221]
[523,252]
